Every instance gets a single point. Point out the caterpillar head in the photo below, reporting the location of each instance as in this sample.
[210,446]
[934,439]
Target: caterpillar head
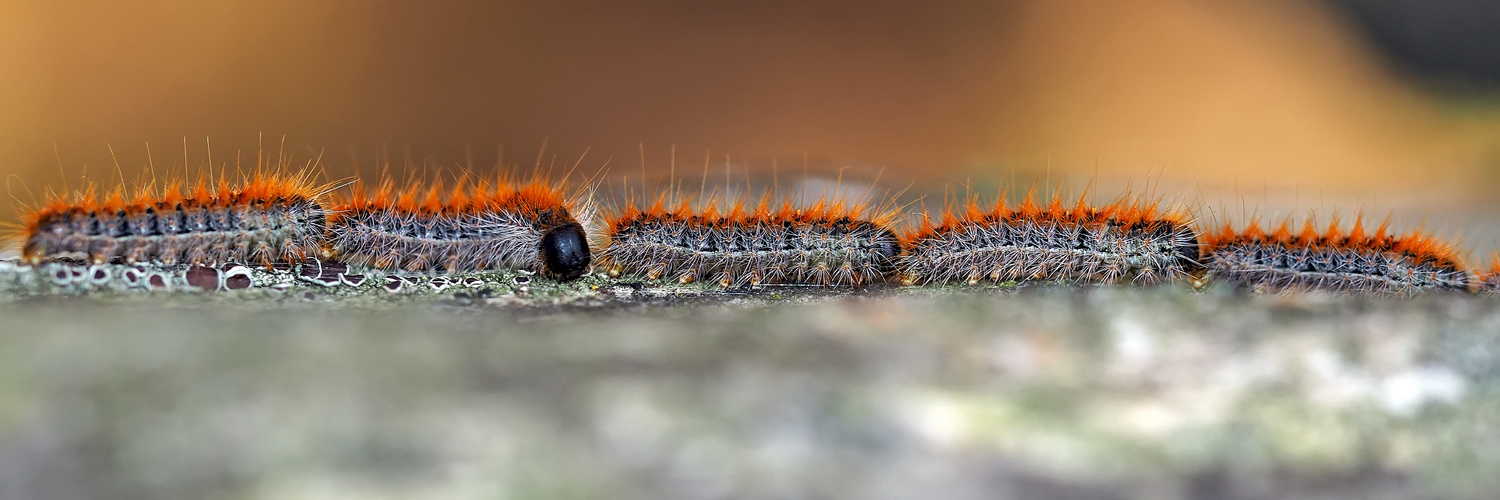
[565,251]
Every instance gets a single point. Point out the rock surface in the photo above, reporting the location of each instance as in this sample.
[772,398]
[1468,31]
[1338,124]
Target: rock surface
[503,385]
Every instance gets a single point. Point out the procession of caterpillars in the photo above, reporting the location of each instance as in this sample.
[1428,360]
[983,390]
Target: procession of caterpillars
[499,223]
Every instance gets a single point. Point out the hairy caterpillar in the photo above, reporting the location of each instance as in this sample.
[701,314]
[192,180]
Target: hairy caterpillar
[471,227]
[827,243]
[1332,260]
[1032,241]
[270,218]
[1489,280]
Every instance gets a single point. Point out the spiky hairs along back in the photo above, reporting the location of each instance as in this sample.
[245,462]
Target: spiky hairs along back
[472,227]
[1120,241]
[270,217]
[827,243]
[1333,260]
[1488,281]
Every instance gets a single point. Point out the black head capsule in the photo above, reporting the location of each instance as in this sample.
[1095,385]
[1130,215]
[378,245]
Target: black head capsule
[565,251]
[1189,255]
[887,250]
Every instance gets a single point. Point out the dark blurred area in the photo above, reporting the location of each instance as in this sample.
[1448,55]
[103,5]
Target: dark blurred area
[1453,40]
[1268,100]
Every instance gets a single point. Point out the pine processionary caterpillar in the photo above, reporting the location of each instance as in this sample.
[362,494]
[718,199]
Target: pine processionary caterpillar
[1032,241]
[274,218]
[271,217]
[1332,260]
[827,243]
[1489,280]
[472,227]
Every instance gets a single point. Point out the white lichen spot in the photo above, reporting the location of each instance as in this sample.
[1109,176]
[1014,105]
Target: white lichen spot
[1135,348]
[938,420]
[1329,382]
[1016,356]
[1406,392]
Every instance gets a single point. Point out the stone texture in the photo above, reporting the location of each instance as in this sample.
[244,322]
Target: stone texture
[504,385]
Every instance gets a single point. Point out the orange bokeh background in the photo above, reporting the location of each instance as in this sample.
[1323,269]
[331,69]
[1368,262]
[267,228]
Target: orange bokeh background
[1274,104]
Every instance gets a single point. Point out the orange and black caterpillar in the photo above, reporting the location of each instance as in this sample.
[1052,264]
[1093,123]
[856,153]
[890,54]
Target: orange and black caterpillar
[1333,260]
[1118,242]
[1488,281]
[269,218]
[471,227]
[827,243]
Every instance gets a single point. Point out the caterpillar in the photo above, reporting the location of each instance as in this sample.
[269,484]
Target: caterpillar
[270,218]
[827,243]
[472,227]
[1489,280]
[1332,260]
[1033,241]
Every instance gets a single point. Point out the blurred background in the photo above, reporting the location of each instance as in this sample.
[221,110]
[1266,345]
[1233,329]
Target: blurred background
[1247,107]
